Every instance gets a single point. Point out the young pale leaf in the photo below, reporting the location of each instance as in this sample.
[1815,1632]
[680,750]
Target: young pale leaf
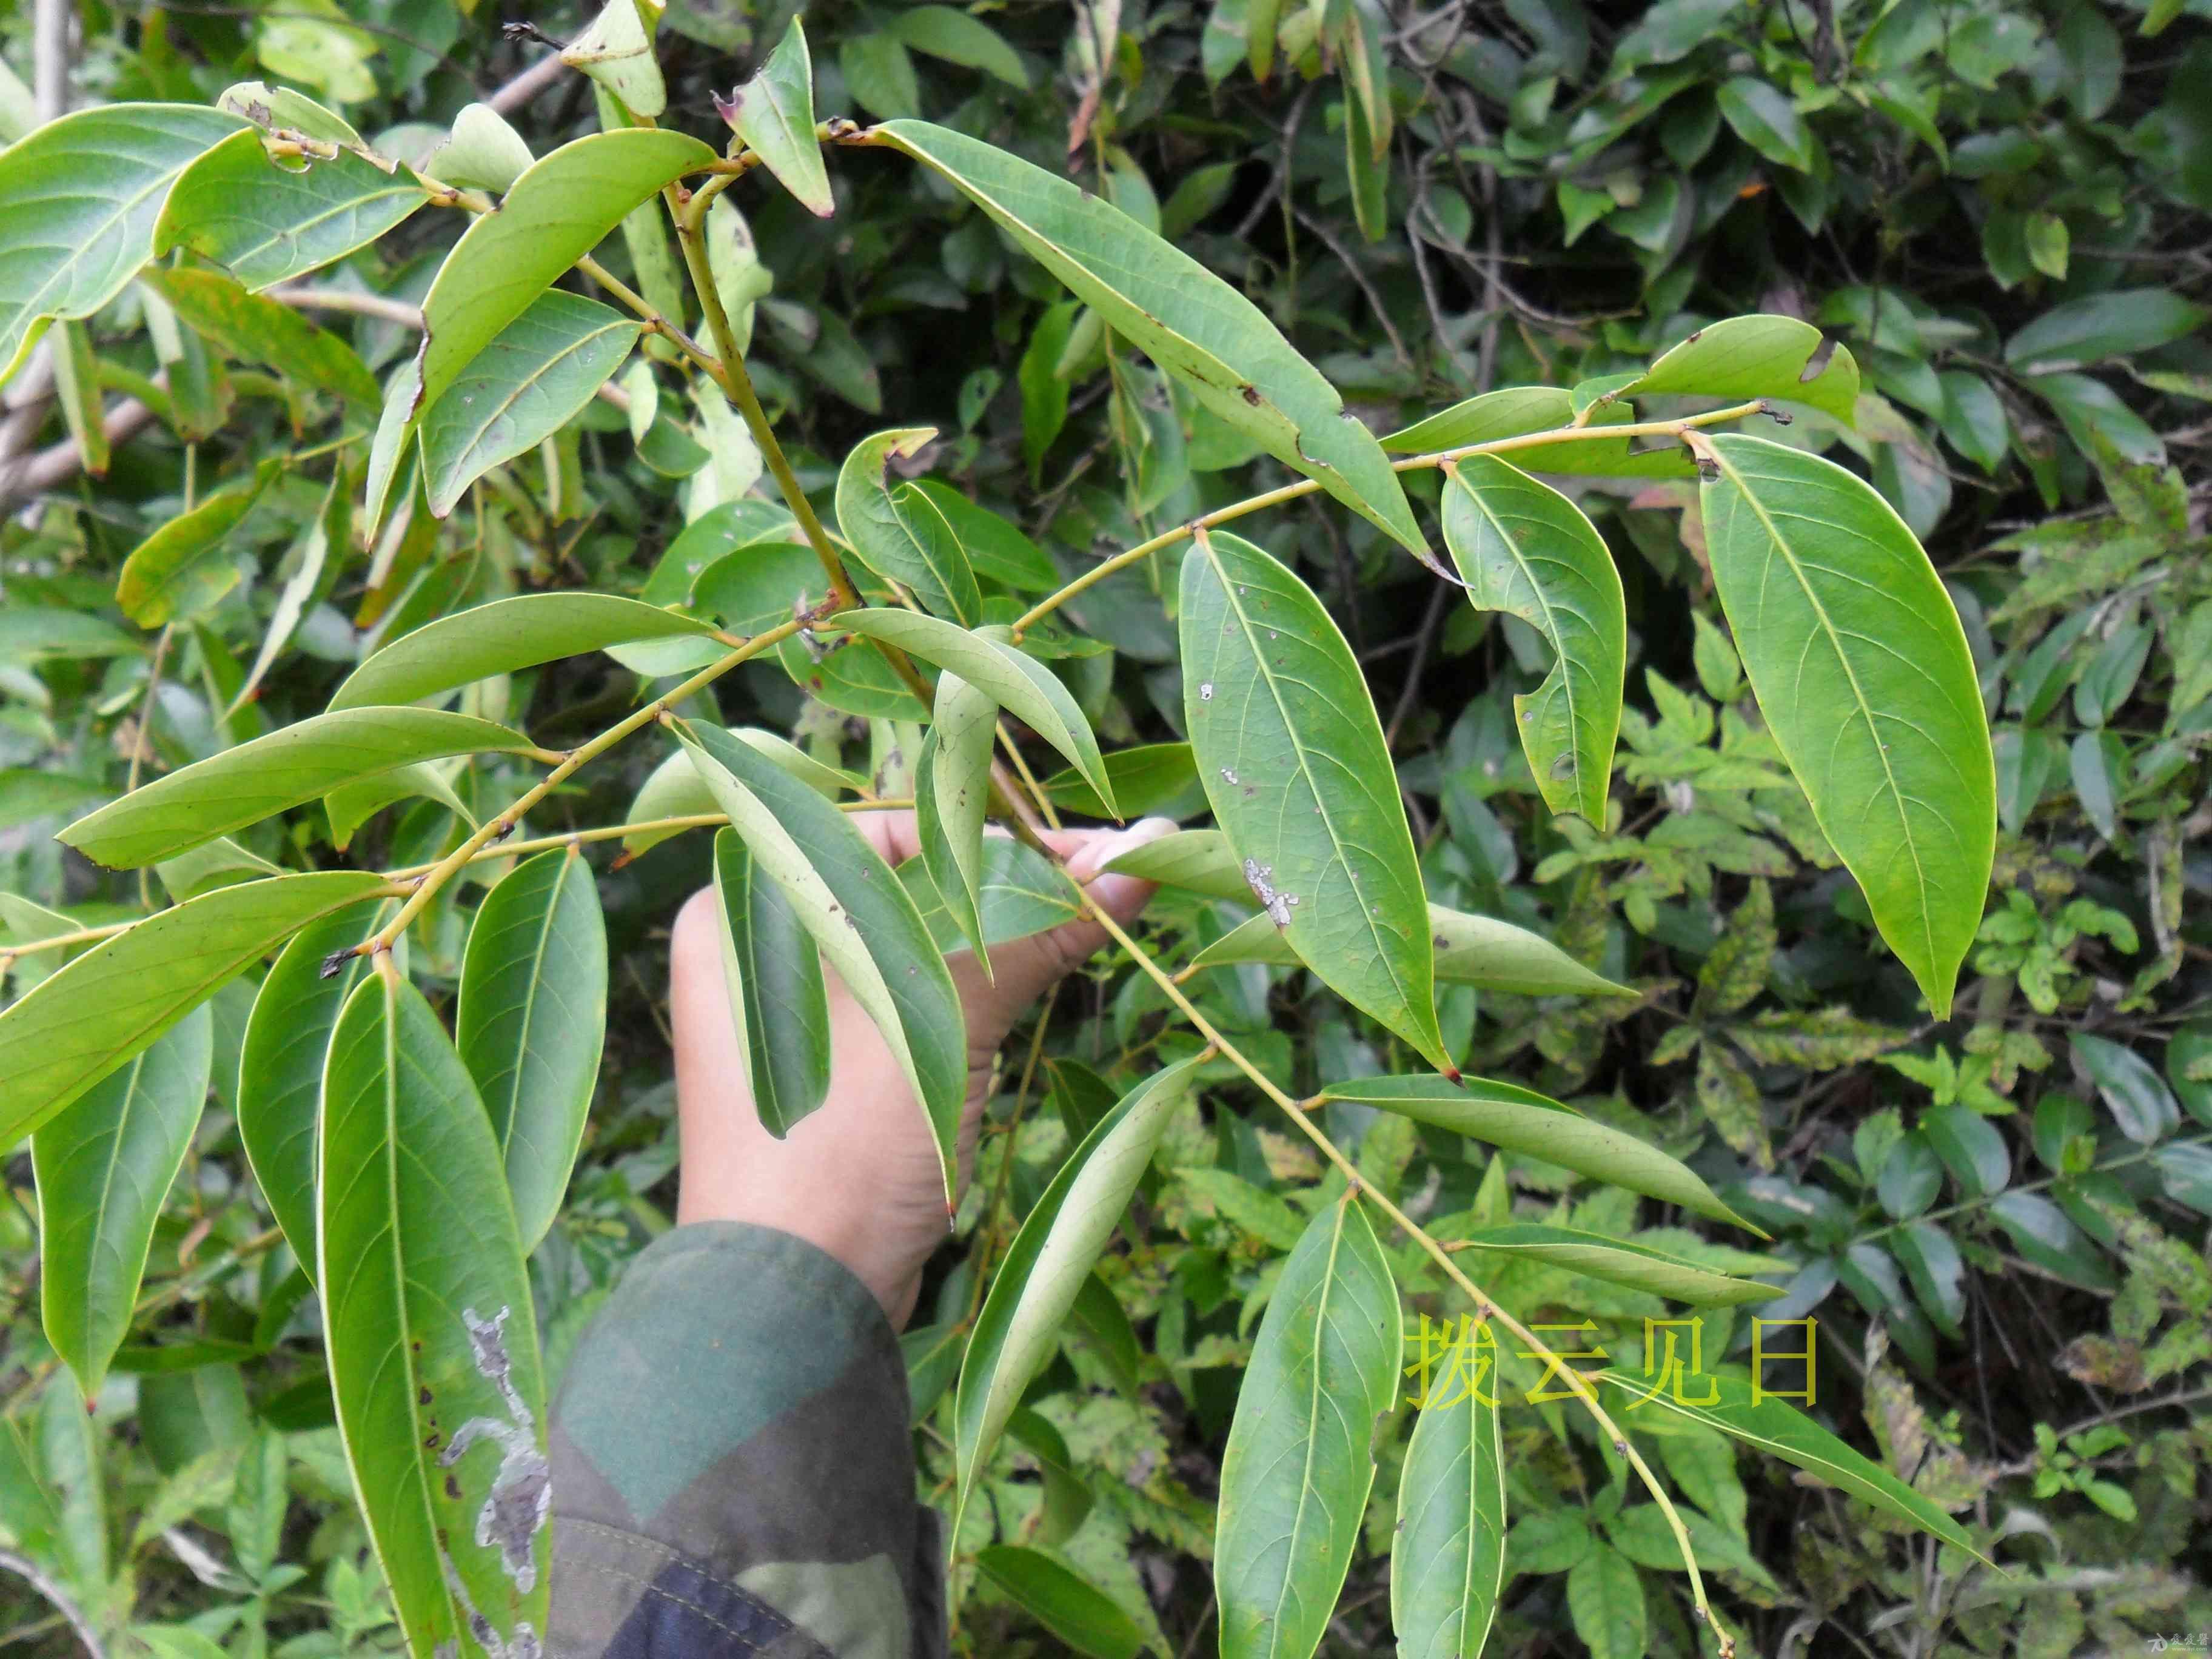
[773,114]
[262,331]
[429,1331]
[556,213]
[1186,319]
[951,796]
[617,52]
[266,224]
[1479,950]
[1527,549]
[1623,1262]
[1009,676]
[778,997]
[900,533]
[534,1014]
[523,387]
[859,913]
[1293,756]
[104,1166]
[1295,1478]
[1760,357]
[1448,1556]
[1862,671]
[238,786]
[1019,1328]
[280,1066]
[78,199]
[485,152]
[186,565]
[82,1022]
[1063,1601]
[1522,1121]
[1196,860]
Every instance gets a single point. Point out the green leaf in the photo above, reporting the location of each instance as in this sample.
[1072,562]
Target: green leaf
[1776,1427]
[778,1001]
[1300,1461]
[523,387]
[1911,1176]
[996,550]
[1149,778]
[186,565]
[1527,549]
[1606,1600]
[280,1068]
[428,1328]
[900,533]
[1447,1554]
[1522,1121]
[1862,671]
[1009,676]
[1764,119]
[1516,411]
[2141,1104]
[2041,1231]
[1183,317]
[484,153]
[1971,1148]
[1249,1208]
[1471,949]
[533,1013]
[82,1022]
[676,790]
[1064,1602]
[773,114]
[2087,331]
[352,805]
[1758,356]
[261,330]
[558,212]
[78,199]
[1018,894]
[30,635]
[266,224]
[861,916]
[951,787]
[879,74]
[27,794]
[1293,756]
[958,37]
[1197,861]
[1931,1261]
[105,1164]
[1019,1328]
[616,52]
[1623,1262]
[238,786]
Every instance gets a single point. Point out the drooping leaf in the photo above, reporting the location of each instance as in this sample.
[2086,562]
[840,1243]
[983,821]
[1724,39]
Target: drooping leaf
[280,1068]
[859,913]
[1448,1555]
[1063,1601]
[262,331]
[104,1166]
[428,1328]
[185,565]
[352,805]
[1471,949]
[78,200]
[533,1015]
[1293,756]
[80,1023]
[266,224]
[1183,317]
[1623,1262]
[238,786]
[523,387]
[900,532]
[1522,1121]
[1862,671]
[1527,549]
[1035,1287]
[1760,357]
[778,1001]
[951,789]
[1299,1462]
[774,113]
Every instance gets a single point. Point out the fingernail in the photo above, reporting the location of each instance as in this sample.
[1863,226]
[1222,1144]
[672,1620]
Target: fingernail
[1095,857]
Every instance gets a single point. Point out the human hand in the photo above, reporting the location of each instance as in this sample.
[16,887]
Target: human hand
[859,1178]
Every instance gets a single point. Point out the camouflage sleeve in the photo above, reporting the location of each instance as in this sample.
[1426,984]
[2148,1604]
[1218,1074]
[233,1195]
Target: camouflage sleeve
[733,1465]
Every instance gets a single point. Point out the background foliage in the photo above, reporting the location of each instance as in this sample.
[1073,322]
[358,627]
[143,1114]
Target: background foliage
[1998,1220]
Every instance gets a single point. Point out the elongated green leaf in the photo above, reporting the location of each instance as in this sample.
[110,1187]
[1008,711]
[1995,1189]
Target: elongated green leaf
[265,331]
[352,805]
[1197,861]
[1182,316]
[1018,1329]
[1623,1262]
[84,1020]
[774,113]
[1063,1601]
[1759,356]
[1151,778]
[267,224]
[558,212]
[1292,754]
[1011,677]
[1780,1428]
[1517,411]
[901,533]
[617,52]
[242,786]
[1527,549]
[520,389]
[394,453]
[27,794]
[1018,894]
[78,199]
[1448,1556]
[534,1014]
[1522,1121]
[778,999]
[1765,117]
[428,1324]
[1606,1600]
[959,37]
[104,1166]
[185,565]
[951,787]
[1862,671]
[280,1067]
[1471,949]
[2087,331]
[859,913]
[676,790]
[1295,1478]
[32,633]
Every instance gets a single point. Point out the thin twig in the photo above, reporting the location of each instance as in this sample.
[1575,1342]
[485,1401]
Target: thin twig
[30,1573]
